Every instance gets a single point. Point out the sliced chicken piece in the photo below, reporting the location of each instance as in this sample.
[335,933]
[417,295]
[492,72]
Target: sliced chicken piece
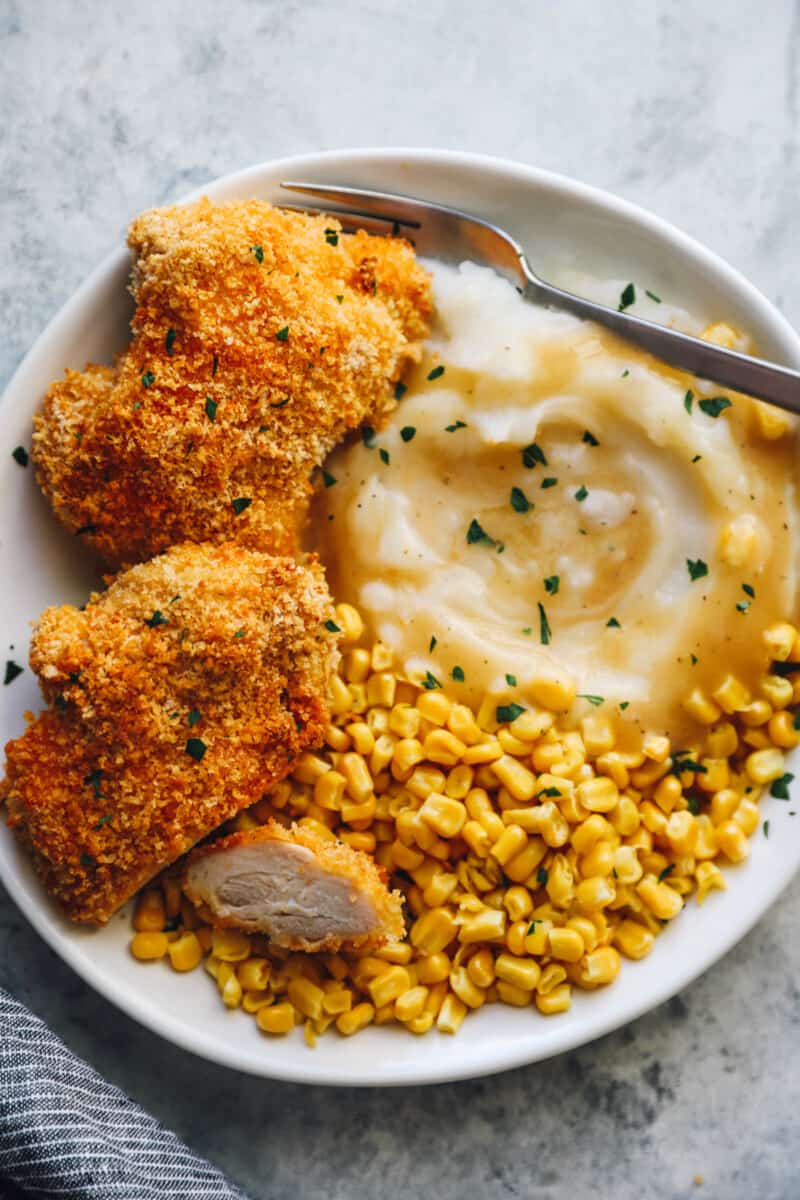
[303,891]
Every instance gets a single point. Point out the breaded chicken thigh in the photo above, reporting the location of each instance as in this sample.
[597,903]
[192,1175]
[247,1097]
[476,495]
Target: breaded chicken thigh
[177,698]
[260,338]
[303,891]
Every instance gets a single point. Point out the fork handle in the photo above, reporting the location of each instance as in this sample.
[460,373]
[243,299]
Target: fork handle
[775,384]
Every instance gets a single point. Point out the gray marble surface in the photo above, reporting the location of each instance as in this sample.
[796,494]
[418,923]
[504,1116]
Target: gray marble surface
[691,110]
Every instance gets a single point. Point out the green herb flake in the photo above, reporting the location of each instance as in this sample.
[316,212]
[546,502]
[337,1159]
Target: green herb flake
[332,627]
[652,295]
[148,379]
[714,406]
[407,433]
[625,373]
[194,717]
[519,501]
[157,619]
[693,804]
[432,644]
[749,590]
[665,874]
[195,748]
[687,400]
[625,704]
[545,633]
[581,494]
[436,373]
[627,297]
[789,667]
[339,299]
[214,365]
[94,778]
[211,408]
[283,334]
[476,533]
[400,390]
[328,479]
[169,341]
[368,437]
[696,458]
[384,456]
[796,721]
[550,793]
[239,633]
[281,403]
[20,455]
[456,425]
[551,584]
[532,926]
[86,860]
[103,821]
[589,438]
[766,829]
[595,701]
[697,568]
[508,712]
[549,482]
[542,876]
[613,623]
[430,682]
[331,237]
[240,504]
[533,454]
[780,787]
[511,680]
[259,253]
[458,674]
[527,631]
[743,605]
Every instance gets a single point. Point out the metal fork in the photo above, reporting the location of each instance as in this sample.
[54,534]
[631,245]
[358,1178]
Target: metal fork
[453,236]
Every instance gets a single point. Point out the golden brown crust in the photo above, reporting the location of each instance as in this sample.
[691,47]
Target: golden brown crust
[135,468]
[333,857]
[222,644]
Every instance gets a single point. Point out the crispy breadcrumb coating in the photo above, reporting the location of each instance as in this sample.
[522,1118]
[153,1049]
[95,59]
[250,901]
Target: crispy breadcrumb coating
[304,891]
[260,338]
[177,698]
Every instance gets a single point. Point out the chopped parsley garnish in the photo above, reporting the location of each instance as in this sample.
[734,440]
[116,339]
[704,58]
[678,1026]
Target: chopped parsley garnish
[282,334]
[169,341]
[436,373]
[384,455]
[511,680]
[400,390]
[331,237]
[87,861]
[430,682]
[549,482]
[239,633]
[766,829]
[20,455]
[542,876]
[780,787]
[652,296]
[743,605]
[693,804]
[328,479]
[613,623]
[340,298]
[625,373]
[103,821]
[551,584]
[148,379]
[332,627]
[662,875]
[581,494]
[157,619]
[627,297]
[796,721]
[281,403]
[589,438]
[368,437]
[211,408]
[695,659]
[681,762]
[214,365]
[456,425]
[595,701]
[624,705]
[259,253]
[550,793]
[687,400]
[545,632]
[508,712]
[94,778]
[407,433]
[715,406]
[532,455]
[527,631]
[432,644]
[195,748]
[458,674]
[697,458]
[194,717]
[137,406]
[240,504]
[749,591]
[696,568]
[476,533]
[532,926]
[519,501]
[785,668]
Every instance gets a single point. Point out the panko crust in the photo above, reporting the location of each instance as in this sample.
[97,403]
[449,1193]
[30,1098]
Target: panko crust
[335,857]
[260,338]
[217,643]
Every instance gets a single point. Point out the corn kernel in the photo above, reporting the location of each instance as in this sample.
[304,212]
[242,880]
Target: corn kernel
[557,1000]
[489,925]
[708,877]
[481,968]
[555,694]
[594,893]
[518,903]
[662,901]
[701,708]
[510,843]
[229,945]
[433,931]
[467,991]
[552,975]
[148,946]
[566,945]
[633,939]
[349,621]
[681,832]
[599,794]
[531,724]
[355,1019]
[764,766]
[434,706]
[451,1014]
[510,993]
[276,1019]
[443,814]
[150,915]
[732,841]
[779,640]
[731,695]
[599,968]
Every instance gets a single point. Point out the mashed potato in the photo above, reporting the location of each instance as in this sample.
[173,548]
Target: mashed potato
[547,502]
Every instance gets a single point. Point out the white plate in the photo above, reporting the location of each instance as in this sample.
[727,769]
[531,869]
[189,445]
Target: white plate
[565,226]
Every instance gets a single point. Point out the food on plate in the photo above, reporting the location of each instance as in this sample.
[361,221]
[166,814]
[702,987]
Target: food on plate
[534,852]
[550,503]
[177,697]
[260,338]
[298,887]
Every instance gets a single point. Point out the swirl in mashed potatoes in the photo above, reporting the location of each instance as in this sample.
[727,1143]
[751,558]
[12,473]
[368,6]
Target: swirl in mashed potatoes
[546,502]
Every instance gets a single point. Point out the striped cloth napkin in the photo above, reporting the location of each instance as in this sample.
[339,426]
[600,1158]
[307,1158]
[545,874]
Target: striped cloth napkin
[65,1131]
